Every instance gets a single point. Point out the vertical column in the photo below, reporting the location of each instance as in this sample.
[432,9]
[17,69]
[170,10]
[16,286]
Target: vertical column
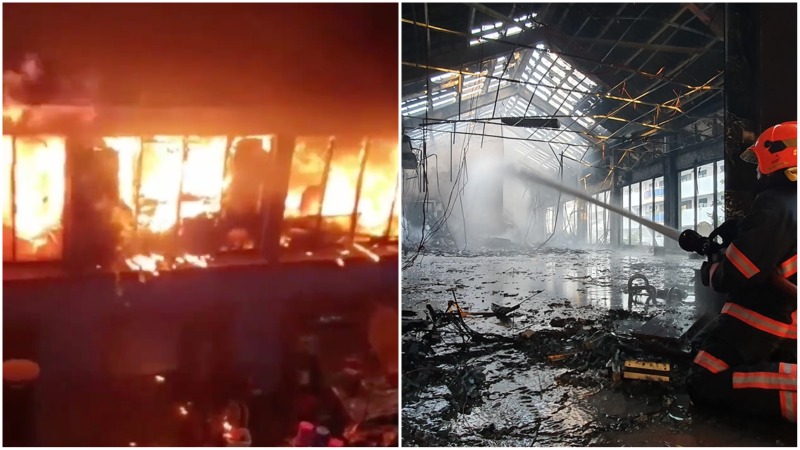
[777,97]
[581,207]
[615,234]
[671,189]
[325,173]
[275,198]
[742,99]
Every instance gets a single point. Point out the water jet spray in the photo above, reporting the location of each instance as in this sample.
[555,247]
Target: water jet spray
[527,175]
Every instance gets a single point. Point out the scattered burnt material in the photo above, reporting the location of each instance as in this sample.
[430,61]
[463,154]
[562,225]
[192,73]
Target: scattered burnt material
[550,372]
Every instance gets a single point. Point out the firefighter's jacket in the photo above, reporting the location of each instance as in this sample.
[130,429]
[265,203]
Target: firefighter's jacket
[766,242]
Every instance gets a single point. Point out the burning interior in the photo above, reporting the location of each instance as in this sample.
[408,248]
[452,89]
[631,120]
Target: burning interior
[163,201]
[121,215]
[200,225]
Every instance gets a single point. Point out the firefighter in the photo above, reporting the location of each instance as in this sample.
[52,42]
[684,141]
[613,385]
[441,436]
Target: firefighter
[735,366]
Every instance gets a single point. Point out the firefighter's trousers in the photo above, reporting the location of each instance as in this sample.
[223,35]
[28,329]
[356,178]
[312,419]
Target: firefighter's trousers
[747,362]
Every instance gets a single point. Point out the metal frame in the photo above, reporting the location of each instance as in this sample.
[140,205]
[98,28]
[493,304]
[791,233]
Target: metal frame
[359,185]
[659,42]
[325,174]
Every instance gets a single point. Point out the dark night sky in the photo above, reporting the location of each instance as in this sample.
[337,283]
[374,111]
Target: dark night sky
[331,57]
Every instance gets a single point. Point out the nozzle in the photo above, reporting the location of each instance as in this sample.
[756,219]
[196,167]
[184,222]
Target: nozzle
[692,241]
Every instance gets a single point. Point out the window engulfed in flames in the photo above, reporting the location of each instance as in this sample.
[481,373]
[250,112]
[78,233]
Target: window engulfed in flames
[166,180]
[378,189]
[38,167]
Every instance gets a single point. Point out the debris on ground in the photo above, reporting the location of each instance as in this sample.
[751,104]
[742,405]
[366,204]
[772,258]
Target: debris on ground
[563,369]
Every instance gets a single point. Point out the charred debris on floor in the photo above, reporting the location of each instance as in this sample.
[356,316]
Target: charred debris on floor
[605,352]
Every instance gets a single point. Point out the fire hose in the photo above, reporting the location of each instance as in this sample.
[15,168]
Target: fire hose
[689,240]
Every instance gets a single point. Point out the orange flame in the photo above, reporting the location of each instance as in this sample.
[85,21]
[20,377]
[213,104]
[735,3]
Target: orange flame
[378,186]
[39,190]
[13,113]
[178,177]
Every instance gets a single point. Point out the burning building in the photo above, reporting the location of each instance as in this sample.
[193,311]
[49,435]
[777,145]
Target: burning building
[177,243]
[186,203]
[143,202]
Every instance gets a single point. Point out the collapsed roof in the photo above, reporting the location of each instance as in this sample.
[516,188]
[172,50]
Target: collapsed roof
[563,79]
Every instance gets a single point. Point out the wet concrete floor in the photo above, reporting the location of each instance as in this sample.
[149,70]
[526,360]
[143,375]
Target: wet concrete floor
[524,399]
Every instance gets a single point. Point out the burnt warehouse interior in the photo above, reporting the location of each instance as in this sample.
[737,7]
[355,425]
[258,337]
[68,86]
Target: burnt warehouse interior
[200,225]
[567,171]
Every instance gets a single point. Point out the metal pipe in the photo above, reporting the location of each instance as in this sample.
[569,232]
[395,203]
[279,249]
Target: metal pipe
[325,172]
[626,101]
[354,216]
[466,133]
[618,67]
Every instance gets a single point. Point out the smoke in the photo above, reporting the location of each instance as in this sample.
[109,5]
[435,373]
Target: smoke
[26,102]
[481,205]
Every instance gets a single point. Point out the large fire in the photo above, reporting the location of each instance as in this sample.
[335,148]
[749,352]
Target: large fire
[175,178]
[39,181]
[167,181]
[378,190]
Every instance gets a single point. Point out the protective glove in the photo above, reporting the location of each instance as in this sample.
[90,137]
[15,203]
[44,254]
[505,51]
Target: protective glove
[727,230]
[705,272]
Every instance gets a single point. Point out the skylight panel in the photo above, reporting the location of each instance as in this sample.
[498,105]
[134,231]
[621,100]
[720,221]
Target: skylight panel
[563,64]
[441,78]
[445,101]
[543,92]
[561,74]
[496,30]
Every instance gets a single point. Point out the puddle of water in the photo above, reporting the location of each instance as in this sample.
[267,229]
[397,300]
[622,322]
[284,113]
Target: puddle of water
[523,404]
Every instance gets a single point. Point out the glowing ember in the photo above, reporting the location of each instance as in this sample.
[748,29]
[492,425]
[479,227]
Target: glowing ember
[183,411]
[366,251]
[132,444]
[145,263]
[194,260]
[152,262]
[228,429]
[340,262]
[159,379]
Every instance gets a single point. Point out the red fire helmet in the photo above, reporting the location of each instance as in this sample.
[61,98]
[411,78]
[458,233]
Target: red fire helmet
[775,149]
